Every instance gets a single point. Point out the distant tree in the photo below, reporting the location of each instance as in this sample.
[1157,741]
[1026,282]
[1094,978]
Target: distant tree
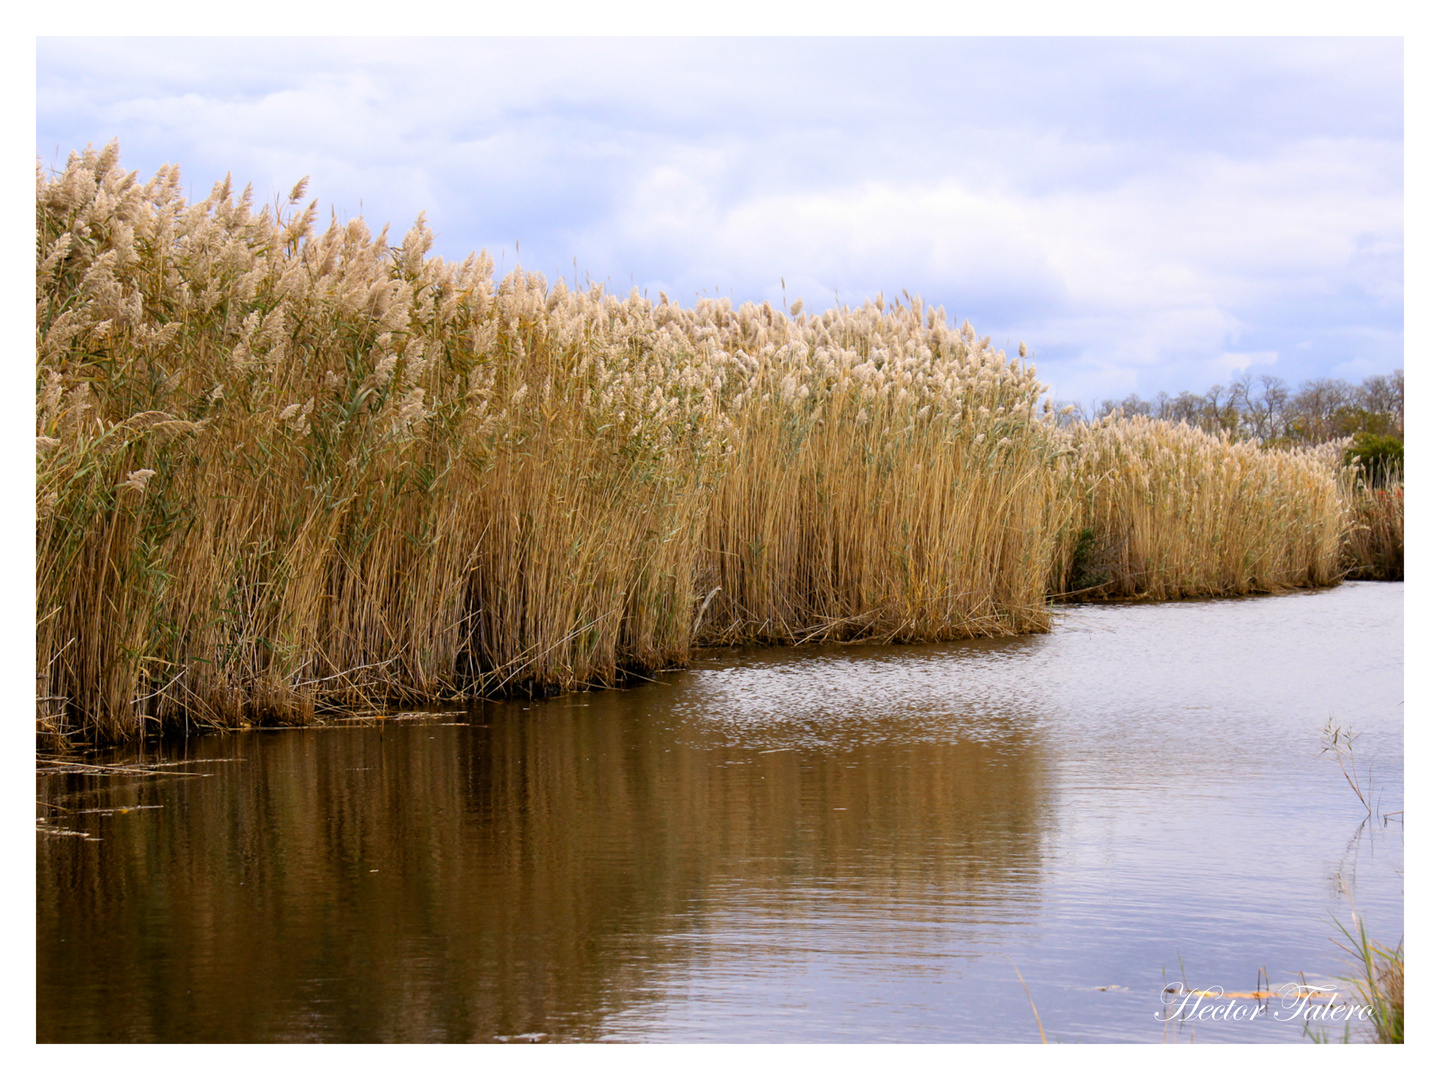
[1351,420]
[1219,412]
[1187,408]
[1315,408]
[1264,408]
[1242,401]
[1274,397]
[1135,405]
[1385,395]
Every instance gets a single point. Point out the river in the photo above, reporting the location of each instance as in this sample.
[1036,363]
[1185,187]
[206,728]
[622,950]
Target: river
[825,844]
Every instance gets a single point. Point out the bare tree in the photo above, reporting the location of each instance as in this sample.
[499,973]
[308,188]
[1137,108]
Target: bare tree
[1385,394]
[1315,406]
[1218,414]
[1241,404]
[1135,405]
[1263,407]
[1188,408]
[1274,396]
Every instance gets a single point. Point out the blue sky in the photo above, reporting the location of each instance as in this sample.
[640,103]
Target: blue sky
[1146,214]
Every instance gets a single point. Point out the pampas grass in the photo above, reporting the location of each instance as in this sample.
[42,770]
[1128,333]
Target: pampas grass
[281,467]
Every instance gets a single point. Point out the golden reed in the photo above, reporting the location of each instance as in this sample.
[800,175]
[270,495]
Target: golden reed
[280,467]
[1167,511]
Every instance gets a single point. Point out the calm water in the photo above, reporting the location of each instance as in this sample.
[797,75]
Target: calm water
[829,844]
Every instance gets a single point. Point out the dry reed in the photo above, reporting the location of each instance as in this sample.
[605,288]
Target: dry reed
[1165,510]
[1374,547]
[891,478]
[281,466]
[276,465]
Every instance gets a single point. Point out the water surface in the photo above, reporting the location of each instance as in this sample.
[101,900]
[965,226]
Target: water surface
[853,843]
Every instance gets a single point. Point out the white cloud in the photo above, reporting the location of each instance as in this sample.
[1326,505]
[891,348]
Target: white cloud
[1165,270]
[1141,213]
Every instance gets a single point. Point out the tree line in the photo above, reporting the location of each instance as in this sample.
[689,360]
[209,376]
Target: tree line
[1264,407]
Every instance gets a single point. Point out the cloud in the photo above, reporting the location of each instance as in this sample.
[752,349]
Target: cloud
[1142,213]
[1170,270]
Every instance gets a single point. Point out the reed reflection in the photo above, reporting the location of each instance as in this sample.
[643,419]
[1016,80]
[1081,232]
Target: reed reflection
[528,874]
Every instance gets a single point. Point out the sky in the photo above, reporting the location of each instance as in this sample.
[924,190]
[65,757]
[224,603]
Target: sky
[1146,214]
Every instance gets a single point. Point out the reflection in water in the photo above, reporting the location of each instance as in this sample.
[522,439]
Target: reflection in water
[832,843]
[525,874]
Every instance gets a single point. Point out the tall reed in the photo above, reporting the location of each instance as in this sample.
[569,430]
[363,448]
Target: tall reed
[280,467]
[1164,510]
[277,465]
[1374,547]
[891,478]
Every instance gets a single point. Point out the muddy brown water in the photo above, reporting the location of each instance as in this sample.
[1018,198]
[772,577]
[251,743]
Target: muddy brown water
[853,844]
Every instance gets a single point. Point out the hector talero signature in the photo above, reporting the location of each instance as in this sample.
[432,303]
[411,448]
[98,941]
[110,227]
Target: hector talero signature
[1304,1002]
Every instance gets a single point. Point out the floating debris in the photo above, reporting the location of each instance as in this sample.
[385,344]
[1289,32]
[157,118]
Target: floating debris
[118,809]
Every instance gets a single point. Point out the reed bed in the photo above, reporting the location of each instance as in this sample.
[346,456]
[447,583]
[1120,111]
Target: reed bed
[1374,547]
[282,467]
[1164,510]
[277,465]
[890,479]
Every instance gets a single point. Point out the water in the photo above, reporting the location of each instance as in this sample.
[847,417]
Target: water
[827,844]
